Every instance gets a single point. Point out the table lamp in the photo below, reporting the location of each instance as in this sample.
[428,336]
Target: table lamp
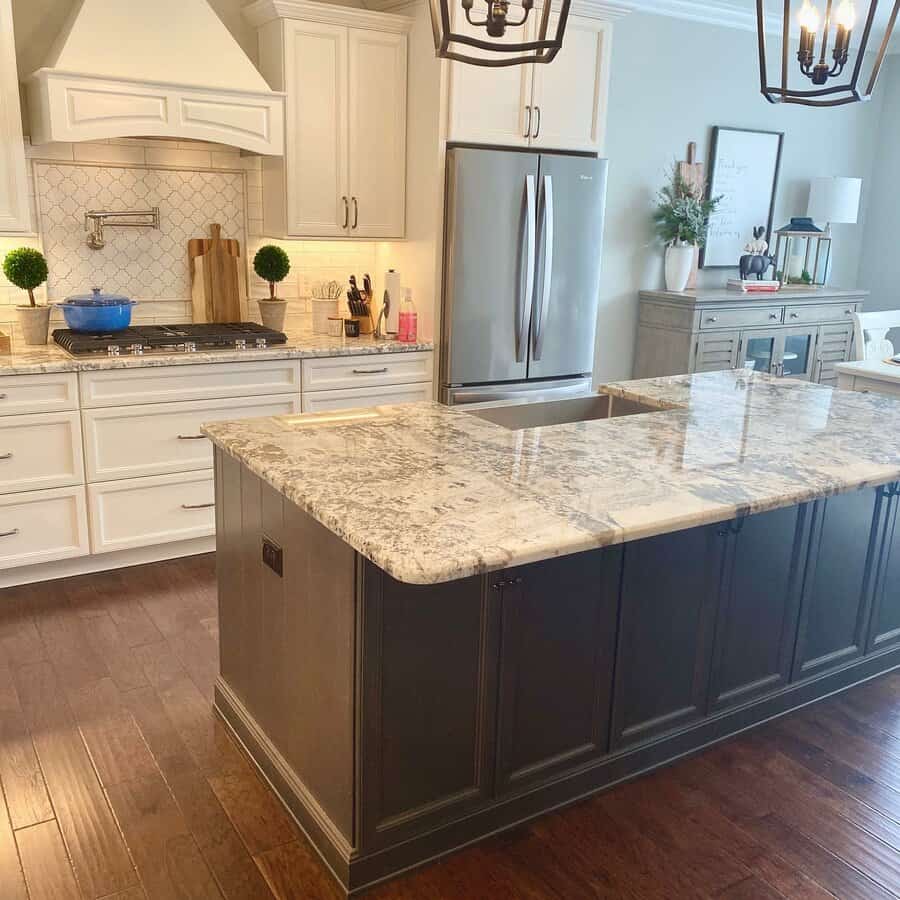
[834,200]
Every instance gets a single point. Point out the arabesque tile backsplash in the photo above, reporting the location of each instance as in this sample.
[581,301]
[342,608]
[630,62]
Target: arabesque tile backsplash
[186,180]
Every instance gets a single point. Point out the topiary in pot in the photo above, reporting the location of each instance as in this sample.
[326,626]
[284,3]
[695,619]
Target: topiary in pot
[26,268]
[272,264]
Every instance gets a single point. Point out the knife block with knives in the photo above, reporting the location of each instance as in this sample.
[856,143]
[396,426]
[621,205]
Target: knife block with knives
[359,302]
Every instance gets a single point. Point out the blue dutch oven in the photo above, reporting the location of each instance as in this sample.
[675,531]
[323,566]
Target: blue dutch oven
[97,311]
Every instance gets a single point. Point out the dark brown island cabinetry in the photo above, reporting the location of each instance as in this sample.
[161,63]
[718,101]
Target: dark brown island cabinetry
[398,721]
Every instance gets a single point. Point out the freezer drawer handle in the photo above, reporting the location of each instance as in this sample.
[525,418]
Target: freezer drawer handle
[524,318]
[547,238]
[191,437]
[370,371]
[11,533]
[197,505]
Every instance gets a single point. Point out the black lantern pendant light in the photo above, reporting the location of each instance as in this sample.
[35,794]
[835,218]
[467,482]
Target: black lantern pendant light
[827,48]
[495,16]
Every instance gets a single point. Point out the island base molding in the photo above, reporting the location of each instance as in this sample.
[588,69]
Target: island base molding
[357,872]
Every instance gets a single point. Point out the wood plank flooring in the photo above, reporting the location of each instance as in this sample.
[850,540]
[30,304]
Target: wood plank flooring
[117,782]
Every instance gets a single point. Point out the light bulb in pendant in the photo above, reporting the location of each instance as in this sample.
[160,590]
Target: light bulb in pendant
[846,15]
[808,17]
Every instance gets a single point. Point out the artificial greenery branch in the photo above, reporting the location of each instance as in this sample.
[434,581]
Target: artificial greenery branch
[272,264]
[682,214]
[26,268]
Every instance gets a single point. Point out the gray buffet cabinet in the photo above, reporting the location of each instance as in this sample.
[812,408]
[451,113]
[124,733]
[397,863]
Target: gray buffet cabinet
[792,333]
[400,721]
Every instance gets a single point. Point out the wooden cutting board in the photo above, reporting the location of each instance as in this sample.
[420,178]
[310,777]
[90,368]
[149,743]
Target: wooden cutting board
[694,174]
[217,282]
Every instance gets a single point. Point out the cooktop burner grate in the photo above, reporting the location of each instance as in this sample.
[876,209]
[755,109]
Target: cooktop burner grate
[171,338]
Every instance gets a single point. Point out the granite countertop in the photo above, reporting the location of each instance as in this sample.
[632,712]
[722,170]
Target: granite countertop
[446,495]
[302,343]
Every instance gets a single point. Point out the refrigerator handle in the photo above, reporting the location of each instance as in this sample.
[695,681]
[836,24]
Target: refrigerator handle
[524,317]
[547,238]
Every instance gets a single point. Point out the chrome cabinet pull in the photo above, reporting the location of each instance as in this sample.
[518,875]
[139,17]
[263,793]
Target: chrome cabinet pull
[3,396]
[370,371]
[191,437]
[10,533]
[346,212]
[6,455]
[537,130]
[355,212]
[528,124]
[197,505]
[505,583]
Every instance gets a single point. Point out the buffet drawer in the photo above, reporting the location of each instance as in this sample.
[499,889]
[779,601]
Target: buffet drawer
[38,393]
[40,451]
[205,381]
[749,317]
[323,401]
[159,438]
[141,512]
[341,372]
[823,312]
[42,526]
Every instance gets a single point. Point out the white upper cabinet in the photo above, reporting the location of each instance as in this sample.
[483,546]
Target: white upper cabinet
[343,71]
[14,215]
[378,129]
[560,105]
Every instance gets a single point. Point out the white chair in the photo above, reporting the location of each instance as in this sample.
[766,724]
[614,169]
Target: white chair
[870,334]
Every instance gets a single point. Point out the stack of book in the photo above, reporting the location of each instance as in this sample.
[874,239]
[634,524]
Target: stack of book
[752,286]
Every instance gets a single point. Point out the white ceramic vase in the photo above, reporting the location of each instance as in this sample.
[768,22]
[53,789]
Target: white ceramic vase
[34,324]
[679,262]
[272,313]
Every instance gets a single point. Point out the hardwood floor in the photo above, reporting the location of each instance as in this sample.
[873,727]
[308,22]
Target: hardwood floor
[118,782]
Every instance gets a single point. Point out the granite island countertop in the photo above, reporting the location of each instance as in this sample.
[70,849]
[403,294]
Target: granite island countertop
[302,343]
[446,495]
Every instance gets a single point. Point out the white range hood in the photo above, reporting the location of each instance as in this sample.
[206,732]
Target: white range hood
[153,68]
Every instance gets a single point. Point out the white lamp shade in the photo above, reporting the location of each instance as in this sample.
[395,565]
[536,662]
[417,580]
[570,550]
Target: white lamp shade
[834,199]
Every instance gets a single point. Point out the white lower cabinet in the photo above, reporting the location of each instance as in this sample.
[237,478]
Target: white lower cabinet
[42,526]
[158,509]
[352,398]
[40,451]
[160,438]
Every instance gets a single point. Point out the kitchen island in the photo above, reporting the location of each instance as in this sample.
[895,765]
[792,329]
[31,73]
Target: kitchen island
[434,627]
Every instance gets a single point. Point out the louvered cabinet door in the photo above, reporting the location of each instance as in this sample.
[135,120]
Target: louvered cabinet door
[835,342]
[716,351]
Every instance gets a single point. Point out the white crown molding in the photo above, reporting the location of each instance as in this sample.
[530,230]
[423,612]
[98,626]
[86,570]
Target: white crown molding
[263,11]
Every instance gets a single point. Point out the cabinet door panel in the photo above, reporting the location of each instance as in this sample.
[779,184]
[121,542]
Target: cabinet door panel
[885,629]
[797,353]
[717,351]
[573,118]
[757,621]
[834,346]
[487,105]
[316,60]
[377,133]
[670,589]
[557,639]
[839,581]
[429,703]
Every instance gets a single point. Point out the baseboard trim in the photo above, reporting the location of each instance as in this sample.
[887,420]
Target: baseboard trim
[356,871]
[103,562]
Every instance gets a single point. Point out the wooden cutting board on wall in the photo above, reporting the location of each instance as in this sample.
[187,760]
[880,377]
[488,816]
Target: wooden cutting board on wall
[218,285]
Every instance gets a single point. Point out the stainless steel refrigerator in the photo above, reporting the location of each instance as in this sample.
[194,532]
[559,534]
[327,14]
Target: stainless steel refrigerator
[522,242]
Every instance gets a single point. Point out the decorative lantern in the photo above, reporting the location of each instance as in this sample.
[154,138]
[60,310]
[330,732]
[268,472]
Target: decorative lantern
[825,51]
[494,18]
[802,254]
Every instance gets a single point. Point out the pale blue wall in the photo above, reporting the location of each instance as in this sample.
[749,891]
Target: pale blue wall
[672,81]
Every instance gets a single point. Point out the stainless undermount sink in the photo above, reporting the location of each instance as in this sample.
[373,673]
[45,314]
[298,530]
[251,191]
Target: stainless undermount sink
[516,416]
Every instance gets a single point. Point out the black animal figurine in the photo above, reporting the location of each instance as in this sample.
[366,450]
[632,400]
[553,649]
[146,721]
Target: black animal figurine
[756,264]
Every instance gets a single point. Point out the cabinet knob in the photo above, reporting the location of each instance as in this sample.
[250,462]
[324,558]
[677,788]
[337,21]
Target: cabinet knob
[712,319]
[848,312]
[795,315]
[773,315]
[6,455]
[10,533]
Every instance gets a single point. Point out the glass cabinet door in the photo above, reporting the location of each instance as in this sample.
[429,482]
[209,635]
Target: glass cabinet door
[796,356]
[760,351]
